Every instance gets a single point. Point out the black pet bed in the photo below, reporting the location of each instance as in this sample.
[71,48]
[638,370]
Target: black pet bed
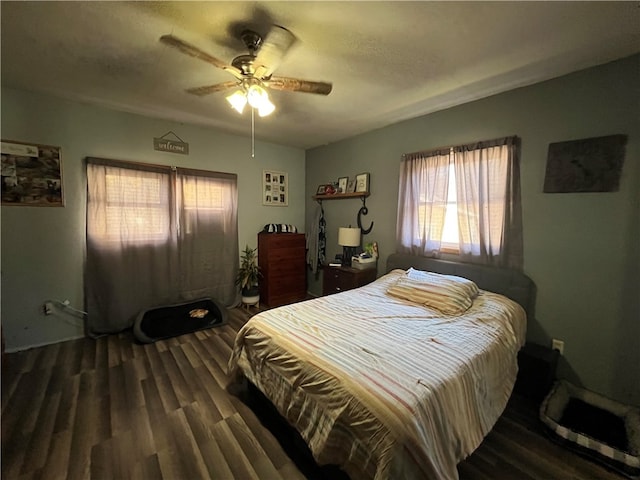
[173,320]
[594,426]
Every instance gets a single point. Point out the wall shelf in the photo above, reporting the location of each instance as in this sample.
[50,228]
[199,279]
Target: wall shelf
[338,196]
[341,196]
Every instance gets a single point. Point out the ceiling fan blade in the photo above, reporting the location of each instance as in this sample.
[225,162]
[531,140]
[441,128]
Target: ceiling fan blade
[274,47]
[297,85]
[194,51]
[218,87]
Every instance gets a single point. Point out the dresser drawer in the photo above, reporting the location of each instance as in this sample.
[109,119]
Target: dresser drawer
[283,256]
[285,241]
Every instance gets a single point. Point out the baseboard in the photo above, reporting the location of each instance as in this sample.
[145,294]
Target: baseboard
[44,344]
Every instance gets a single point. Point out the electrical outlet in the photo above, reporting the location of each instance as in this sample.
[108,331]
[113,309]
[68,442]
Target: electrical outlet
[47,308]
[557,345]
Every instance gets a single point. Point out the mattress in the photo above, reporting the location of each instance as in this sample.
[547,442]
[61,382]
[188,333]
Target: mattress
[383,387]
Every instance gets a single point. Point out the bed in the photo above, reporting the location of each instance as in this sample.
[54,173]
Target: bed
[387,387]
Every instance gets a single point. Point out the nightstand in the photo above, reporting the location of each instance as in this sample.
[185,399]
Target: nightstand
[341,279]
[536,371]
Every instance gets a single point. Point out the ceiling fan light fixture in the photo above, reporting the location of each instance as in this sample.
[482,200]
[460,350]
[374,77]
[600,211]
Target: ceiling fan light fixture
[257,96]
[237,100]
[266,108]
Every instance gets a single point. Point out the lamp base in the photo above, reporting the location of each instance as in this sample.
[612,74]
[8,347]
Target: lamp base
[347,253]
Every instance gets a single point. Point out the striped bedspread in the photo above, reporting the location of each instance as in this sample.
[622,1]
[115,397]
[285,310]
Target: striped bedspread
[385,388]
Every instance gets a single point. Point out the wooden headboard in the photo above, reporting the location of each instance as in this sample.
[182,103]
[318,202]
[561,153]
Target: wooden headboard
[508,282]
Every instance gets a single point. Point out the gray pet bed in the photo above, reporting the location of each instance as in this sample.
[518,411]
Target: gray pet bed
[595,426]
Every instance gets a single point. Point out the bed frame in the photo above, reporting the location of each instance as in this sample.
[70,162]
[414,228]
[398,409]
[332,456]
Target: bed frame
[508,282]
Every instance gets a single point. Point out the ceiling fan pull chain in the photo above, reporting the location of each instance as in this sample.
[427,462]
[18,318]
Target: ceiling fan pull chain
[253,145]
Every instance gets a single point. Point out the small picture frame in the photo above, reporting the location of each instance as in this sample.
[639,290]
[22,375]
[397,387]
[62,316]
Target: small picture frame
[362,183]
[321,189]
[351,186]
[342,184]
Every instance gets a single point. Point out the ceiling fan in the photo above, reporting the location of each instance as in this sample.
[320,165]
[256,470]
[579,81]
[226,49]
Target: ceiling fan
[253,72]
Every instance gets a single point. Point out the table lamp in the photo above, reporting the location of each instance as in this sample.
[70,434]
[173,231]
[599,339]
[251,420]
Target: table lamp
[348,239]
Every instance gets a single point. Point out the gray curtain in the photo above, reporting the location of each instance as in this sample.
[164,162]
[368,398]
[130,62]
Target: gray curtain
[156,236]
[487,201]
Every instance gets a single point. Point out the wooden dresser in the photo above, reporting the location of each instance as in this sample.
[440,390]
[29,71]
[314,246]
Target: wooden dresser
[281,257]
[340,279]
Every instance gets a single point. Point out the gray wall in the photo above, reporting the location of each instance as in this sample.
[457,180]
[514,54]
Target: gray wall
[582,250]
[43,248]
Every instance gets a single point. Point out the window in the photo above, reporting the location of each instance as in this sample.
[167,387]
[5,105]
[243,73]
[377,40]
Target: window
[156,235]
[197,195]
[136,207]
[463,200]
[203,200]
[443,221]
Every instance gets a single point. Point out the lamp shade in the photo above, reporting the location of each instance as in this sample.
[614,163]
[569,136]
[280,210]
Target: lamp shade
[256,96]
[266,108]
[348,237]
[237,100]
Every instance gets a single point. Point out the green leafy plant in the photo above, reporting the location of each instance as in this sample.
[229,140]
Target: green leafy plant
[249,272]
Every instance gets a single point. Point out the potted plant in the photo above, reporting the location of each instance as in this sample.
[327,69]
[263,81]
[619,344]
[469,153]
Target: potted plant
[249,275]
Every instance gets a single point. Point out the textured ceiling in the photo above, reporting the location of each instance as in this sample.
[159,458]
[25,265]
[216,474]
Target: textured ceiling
[388,61]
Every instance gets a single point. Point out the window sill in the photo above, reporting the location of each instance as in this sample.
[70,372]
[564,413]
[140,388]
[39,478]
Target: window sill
[450,250]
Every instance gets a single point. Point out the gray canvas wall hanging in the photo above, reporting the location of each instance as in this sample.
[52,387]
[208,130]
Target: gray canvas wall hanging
[587,165]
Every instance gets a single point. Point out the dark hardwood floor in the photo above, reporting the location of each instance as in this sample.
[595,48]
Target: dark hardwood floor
[113,409]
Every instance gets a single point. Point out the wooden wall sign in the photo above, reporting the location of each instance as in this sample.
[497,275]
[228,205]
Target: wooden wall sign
[163,144]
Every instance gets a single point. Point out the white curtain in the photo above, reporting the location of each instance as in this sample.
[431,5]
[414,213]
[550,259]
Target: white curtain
[487,199]
[422,202]
[156,236]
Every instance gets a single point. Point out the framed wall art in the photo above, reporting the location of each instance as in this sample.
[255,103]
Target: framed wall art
[586,165]
[362,183]
[31,175]
[275,188]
